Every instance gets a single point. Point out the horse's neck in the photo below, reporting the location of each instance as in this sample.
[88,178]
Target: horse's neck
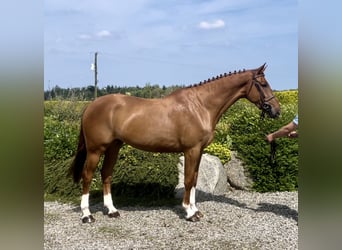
[218,96]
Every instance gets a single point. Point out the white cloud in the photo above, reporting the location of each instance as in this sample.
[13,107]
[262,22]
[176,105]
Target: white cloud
[99,35]
[217,24]
[103,33]
[84,37]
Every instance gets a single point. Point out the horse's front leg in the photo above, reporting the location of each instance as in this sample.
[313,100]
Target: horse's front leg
[192,161]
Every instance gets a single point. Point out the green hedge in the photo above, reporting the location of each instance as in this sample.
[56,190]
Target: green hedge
[287,97]
[60,139]
[248,133]
[220,150]
[57,185]
[136,174]
[61,129]
[139,173]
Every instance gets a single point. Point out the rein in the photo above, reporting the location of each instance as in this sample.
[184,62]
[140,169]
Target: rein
[273,145]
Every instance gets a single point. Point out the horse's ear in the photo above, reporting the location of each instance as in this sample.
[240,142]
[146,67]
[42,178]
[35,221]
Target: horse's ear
[261,69]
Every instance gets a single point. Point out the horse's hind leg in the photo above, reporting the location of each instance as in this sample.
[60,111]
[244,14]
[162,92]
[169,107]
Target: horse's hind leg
[111,156]
[87,175]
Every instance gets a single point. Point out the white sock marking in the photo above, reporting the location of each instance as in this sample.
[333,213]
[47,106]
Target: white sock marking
[108,203]
[191,209]
[85,205]
[193,199]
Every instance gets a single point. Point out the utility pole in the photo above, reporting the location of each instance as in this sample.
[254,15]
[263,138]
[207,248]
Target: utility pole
[95,70]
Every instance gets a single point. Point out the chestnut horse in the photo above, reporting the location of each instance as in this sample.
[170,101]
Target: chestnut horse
[183,121]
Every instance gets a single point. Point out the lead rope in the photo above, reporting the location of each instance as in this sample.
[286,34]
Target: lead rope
[273,145]
[262,115]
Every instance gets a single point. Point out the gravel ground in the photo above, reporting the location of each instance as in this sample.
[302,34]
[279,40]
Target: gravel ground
[236,220]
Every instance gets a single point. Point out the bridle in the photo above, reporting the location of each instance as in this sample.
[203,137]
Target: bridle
[265,106]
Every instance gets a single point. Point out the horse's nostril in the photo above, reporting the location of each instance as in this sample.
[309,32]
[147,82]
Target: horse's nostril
[274,114]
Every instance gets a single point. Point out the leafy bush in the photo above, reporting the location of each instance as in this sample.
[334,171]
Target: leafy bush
[287,97]
[65,110]
[57,185]
[137,173]
[219,150]
[61,129]
[140,173]
[248,133]
[60,139]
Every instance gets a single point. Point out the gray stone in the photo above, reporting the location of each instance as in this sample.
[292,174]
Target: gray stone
[212,177]
[236,174]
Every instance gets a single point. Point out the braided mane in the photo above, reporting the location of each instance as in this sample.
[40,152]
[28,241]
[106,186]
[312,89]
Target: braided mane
[217,77]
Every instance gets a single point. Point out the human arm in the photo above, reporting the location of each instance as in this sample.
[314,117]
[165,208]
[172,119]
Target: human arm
[287,130]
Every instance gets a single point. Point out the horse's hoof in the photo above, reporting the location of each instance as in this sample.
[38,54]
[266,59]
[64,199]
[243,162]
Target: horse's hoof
[193,218]
[88,219]
[114,215]
[198,214]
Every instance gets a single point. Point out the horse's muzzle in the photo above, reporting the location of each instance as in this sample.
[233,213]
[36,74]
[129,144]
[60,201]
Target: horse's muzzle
[274,115]
[271,112]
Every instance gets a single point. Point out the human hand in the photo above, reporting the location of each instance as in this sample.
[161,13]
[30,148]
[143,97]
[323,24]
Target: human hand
[293,134]
[269,138]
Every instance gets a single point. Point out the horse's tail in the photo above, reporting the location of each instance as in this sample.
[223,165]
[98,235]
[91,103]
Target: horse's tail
[77,165]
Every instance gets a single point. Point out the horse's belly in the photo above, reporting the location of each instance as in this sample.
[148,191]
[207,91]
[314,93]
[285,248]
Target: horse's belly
[151,142]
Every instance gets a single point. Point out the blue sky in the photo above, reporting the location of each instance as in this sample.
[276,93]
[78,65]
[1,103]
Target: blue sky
[168,42]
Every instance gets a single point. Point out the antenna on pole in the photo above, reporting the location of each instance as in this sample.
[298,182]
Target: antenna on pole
[94,67]
[95,64]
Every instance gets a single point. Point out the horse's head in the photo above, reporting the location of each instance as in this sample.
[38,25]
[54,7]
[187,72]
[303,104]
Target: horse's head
[260,93]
